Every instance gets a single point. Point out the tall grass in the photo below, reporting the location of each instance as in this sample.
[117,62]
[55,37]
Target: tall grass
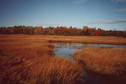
[41,70]
[105,61]
[31,60]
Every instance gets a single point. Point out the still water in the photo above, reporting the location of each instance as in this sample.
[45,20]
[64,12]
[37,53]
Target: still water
[67,49]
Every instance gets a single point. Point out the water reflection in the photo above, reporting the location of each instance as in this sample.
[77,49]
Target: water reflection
[67,49]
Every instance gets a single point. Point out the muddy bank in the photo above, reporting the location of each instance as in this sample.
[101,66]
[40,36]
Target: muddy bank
[104,78]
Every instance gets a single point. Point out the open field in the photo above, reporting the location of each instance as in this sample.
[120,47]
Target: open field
[73,39]
[109,62]
[28,59]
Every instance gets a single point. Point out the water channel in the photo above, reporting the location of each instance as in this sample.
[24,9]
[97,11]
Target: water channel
[67,49]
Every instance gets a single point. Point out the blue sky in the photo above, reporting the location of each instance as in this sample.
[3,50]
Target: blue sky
[105,14]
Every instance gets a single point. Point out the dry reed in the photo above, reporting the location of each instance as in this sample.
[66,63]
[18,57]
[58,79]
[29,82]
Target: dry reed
[31,60]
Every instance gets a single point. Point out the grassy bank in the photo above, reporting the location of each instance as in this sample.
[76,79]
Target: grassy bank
[109,62]
[26,59]
[73,39]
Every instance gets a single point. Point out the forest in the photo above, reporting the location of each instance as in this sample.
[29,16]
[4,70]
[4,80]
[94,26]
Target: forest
[61,30]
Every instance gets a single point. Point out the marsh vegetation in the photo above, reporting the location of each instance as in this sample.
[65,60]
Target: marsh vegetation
[30,59]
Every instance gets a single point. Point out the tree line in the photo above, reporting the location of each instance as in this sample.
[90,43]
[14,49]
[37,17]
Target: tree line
[61,30]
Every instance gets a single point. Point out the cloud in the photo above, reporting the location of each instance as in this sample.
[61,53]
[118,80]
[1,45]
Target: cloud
[79,1]
[120,1]
[108,21]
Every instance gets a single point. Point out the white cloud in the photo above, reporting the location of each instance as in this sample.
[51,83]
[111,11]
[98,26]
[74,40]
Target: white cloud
[108,21]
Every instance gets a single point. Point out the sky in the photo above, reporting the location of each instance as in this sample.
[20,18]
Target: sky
[104,14]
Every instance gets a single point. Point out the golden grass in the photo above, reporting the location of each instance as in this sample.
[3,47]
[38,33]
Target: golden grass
[40,70]
[81,39]
[108,61]
[88,39]
[28,59]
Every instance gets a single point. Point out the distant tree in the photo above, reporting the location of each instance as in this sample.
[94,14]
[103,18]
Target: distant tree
[60,30]
[97,32]
[91,31]
[85,29]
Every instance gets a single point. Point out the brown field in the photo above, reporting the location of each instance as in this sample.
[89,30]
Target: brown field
[73,39]
[30,59]
[104,61]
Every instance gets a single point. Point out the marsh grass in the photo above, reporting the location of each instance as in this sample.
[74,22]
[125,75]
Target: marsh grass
[88,39]
[31,60]
[105,61]
[73,39]
[41,70]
